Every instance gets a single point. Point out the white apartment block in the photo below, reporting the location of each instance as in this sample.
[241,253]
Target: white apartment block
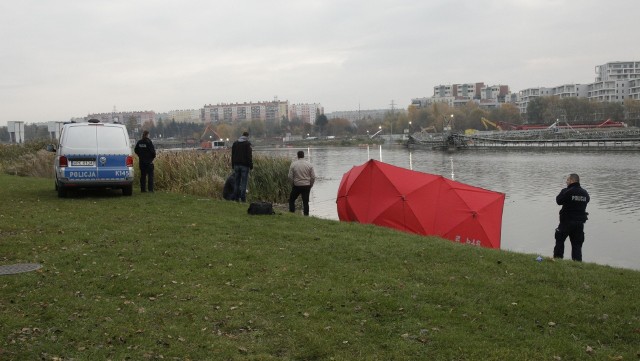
[306,112]
[457,95]
[618,70]
[614,82]
[185,116]
[264,111]
[570,91]
[609,91]
[634,89]
[466,90]
[496,93]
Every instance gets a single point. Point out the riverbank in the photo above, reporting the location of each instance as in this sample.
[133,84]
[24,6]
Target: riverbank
[171,276]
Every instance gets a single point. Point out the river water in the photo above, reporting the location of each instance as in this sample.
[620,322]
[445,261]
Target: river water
[530,179]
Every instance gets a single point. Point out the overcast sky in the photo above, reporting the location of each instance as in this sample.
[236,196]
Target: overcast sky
[68,58]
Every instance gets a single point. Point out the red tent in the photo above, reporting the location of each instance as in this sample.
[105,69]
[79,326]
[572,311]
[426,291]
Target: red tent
[422,203]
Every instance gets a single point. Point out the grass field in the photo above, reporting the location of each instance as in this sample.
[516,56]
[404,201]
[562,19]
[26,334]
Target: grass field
[167,276]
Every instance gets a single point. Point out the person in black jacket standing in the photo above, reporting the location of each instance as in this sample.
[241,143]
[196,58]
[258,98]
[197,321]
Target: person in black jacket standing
[146,154]
[242,163]
[573,215]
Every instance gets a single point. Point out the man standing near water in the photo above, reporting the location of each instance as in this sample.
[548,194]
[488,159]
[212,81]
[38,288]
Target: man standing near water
[302,177]
[242,163]
[573,215]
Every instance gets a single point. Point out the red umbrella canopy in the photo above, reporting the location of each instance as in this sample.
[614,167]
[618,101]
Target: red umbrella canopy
[422,203]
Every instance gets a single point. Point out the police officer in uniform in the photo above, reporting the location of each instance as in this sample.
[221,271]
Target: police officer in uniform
[146,154]
[573,215]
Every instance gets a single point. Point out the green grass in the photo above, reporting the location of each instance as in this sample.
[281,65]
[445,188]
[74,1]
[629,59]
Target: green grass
[180,277]
[187,172]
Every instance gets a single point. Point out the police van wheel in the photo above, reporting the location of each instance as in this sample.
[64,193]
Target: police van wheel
[62,192]
[127,191]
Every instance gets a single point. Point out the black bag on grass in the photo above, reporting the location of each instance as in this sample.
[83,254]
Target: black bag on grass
[260,208]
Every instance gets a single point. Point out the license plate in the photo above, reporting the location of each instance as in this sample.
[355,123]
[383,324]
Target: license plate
[84,163]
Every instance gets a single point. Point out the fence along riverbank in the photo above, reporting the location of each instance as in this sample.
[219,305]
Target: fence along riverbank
[550,138]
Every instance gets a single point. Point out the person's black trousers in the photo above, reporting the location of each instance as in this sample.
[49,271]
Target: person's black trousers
[575,232]
[146,172]
[297,191]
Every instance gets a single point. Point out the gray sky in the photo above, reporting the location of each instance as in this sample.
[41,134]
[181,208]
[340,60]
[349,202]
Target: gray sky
[68,58]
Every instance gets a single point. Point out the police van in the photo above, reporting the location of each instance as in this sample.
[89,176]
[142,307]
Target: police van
[93,155]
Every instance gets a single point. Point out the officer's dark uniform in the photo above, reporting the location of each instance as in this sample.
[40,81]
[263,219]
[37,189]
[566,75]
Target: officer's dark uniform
[573,215]
[146,153]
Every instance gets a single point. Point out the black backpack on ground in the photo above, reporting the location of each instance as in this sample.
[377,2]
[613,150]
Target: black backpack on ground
[260,208]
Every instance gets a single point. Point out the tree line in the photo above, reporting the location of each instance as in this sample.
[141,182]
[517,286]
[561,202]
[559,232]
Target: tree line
[541,110]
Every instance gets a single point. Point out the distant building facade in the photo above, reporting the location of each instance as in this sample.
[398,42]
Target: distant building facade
[614,82]
[232,112]
[355,115]
[184,116]
[138,118]
[306,112]
[457,95]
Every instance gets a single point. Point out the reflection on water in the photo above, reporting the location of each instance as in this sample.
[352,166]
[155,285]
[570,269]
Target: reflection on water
[530,180]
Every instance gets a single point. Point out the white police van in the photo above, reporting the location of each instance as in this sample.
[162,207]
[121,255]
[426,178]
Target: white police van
[93,155]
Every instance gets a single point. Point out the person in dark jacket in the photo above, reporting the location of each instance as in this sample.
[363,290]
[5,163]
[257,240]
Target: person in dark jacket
[242,163]
[573,215]
[146,154]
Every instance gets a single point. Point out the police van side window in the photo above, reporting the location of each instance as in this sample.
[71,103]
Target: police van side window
[80,137]
[112,139]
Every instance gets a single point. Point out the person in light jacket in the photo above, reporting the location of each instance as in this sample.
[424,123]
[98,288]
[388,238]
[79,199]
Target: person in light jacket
[302,177]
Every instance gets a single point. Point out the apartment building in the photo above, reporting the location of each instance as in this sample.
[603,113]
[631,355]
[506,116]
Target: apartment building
[232,112]
[184,116]
[618,70]
[306,112]
[466,90]
[495,92]
[354,115]
[139,118]
[615,81]
[609,91]
[634,89]
[526,95]
[457,95]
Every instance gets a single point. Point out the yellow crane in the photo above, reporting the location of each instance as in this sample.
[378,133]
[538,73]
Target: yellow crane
[486,122]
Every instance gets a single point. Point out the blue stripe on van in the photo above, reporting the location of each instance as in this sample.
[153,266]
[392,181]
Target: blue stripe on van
[108,167]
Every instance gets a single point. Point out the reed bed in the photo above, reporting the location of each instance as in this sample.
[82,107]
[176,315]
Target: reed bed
[27,160]
[204,174]
[188,172]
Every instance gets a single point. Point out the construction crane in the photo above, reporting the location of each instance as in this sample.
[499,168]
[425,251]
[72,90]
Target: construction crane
[486,122]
